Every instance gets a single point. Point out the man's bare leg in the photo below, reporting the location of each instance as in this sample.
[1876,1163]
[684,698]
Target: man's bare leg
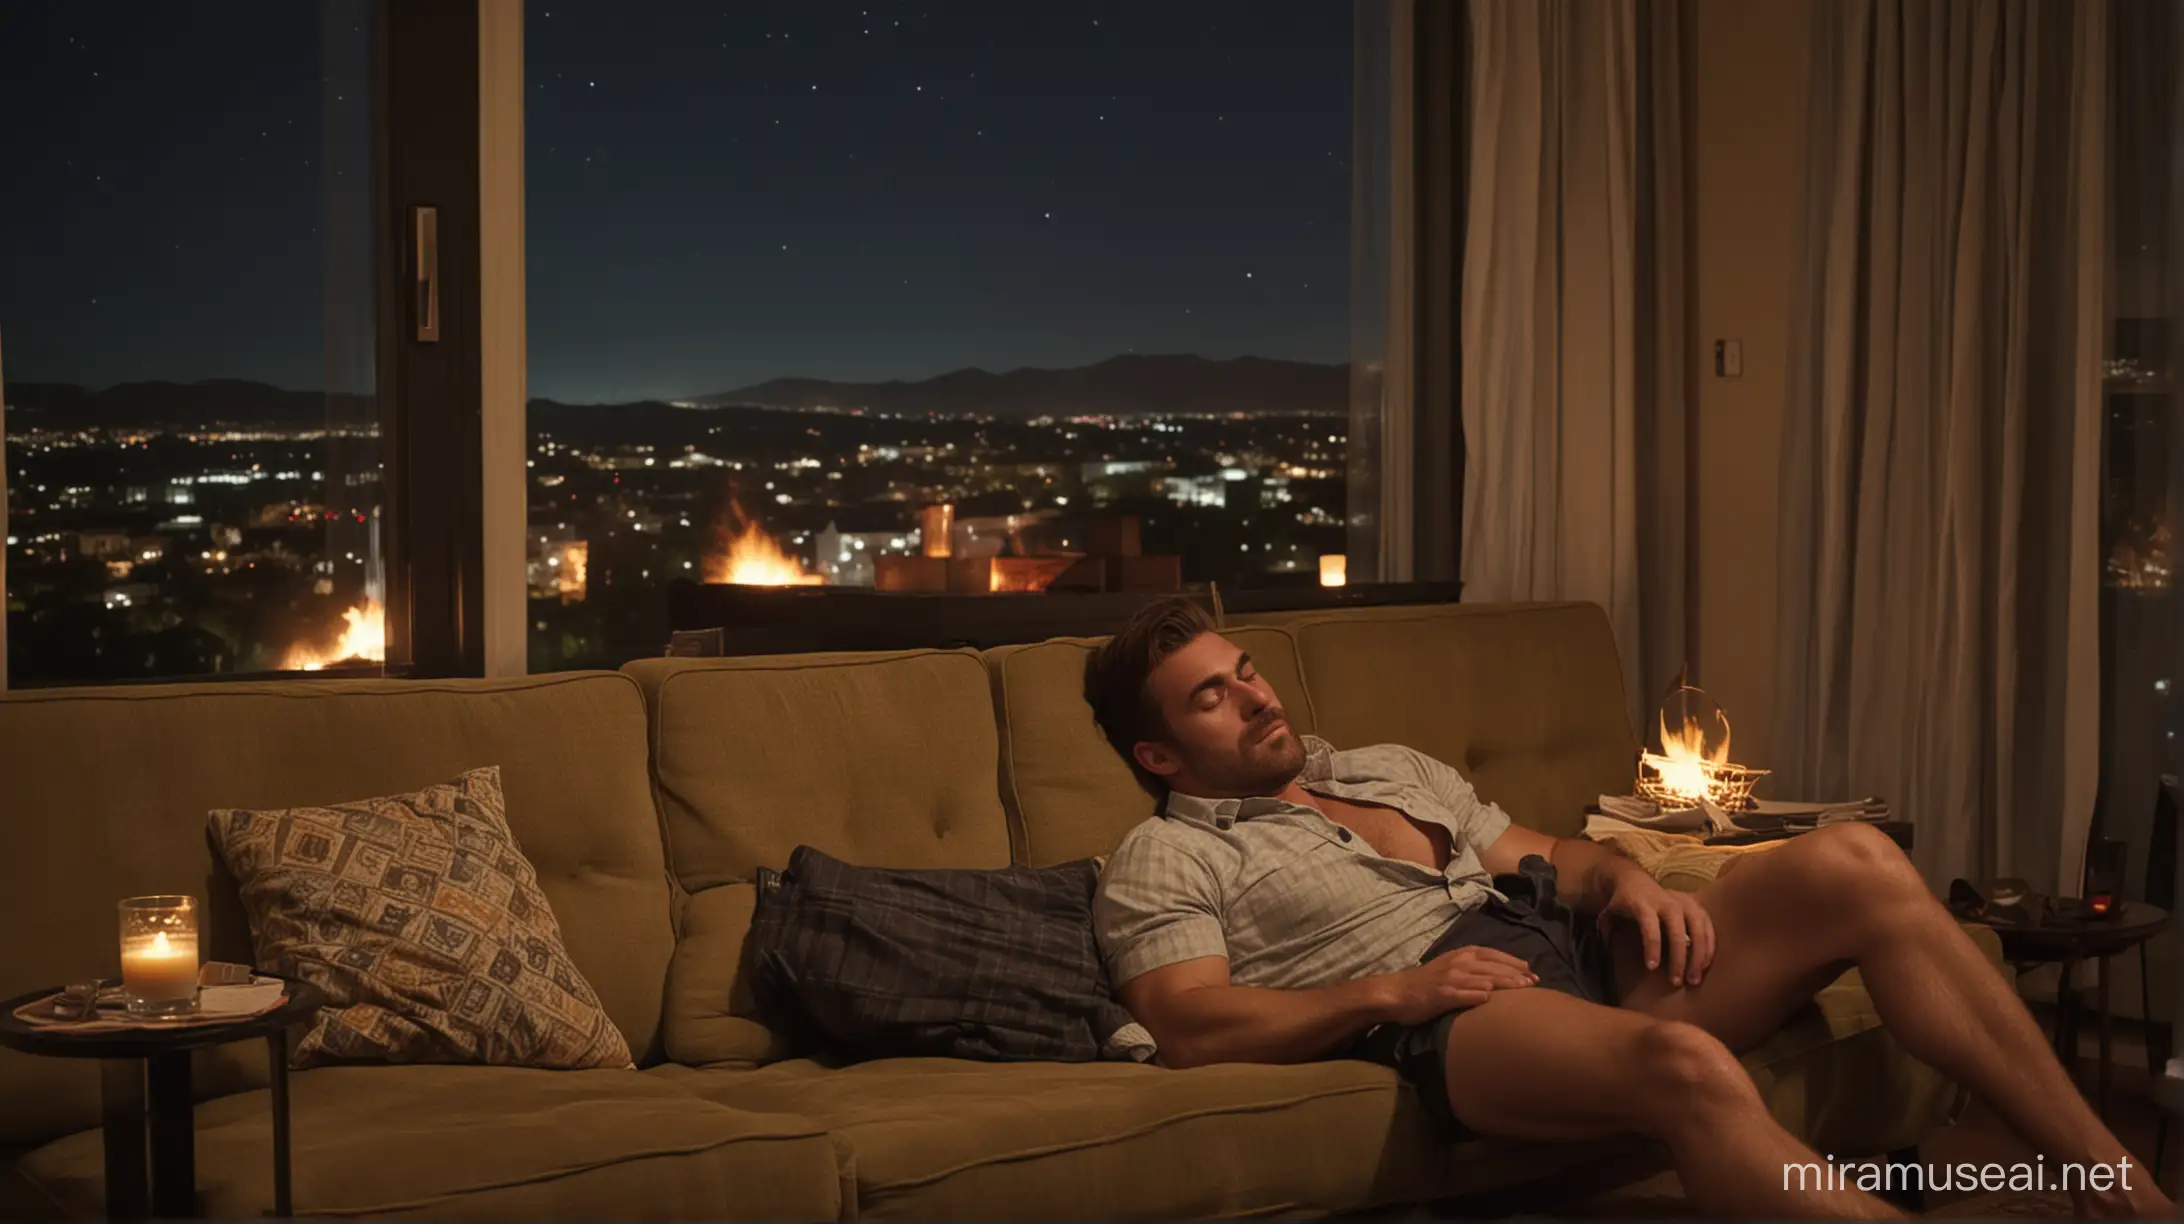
[1538,1065]
[1788,921]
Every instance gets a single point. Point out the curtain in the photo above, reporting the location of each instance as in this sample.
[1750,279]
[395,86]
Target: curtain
[1940,460]
[1573,400]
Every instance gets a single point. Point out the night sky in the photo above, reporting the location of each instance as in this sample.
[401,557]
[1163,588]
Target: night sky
[718,194]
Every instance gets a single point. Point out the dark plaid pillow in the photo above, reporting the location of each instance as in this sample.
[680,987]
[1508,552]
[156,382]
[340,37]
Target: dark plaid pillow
[871,962]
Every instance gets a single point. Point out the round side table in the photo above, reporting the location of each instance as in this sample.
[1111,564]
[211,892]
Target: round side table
[149,1112]
[2069,942]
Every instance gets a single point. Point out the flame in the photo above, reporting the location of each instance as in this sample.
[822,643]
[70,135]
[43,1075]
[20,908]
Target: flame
[1025,573]
[750,557]
[1683,764]
[570,563]
[160,946]
[364,639]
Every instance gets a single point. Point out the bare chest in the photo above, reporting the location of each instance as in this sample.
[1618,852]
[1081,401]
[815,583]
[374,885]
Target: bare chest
[1393,833]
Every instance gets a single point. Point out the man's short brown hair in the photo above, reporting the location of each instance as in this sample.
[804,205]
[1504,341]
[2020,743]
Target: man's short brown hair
[1116,677]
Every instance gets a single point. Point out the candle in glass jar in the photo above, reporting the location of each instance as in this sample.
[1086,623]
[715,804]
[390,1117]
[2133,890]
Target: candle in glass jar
[159,954]
[159,969]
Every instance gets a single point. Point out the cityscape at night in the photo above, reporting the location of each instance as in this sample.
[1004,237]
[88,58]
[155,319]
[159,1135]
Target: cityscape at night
[158,529]
[1064,277]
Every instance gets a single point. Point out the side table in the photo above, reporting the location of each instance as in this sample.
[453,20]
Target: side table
[2043,938]
[148,1105]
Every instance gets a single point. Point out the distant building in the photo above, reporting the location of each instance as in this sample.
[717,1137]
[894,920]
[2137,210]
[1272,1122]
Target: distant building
[102,544]
[1208,491]
[129,595]
[846,558]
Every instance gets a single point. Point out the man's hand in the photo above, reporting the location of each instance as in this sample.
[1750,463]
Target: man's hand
[1462,978]
[1668,921]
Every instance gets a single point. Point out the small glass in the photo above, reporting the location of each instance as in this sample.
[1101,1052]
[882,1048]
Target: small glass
[159,955]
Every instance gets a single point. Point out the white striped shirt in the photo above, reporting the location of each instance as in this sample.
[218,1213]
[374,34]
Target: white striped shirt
[1292,899]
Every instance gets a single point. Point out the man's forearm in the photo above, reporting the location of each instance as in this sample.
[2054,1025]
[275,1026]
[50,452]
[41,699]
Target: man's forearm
[1213,1024]
[1590,869]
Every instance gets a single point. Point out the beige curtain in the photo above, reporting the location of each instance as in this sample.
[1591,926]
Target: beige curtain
[1940,451]
[1572,391]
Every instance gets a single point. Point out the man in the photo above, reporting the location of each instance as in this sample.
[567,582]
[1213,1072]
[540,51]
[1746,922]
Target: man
[1295,902]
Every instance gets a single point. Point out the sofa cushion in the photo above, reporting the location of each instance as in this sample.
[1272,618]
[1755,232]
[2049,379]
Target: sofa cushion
[422,920]
[886,758]
[1525,700]
[1069,794]
[947,1139]
[711,1015]
[487,1143]
[107,789]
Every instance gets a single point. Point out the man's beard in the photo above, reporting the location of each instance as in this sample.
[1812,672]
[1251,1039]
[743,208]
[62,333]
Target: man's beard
[1266,761]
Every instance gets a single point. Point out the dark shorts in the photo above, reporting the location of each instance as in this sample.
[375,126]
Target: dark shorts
[1562,946]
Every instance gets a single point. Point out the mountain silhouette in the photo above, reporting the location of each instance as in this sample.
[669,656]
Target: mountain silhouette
[1119,386]
[215,401]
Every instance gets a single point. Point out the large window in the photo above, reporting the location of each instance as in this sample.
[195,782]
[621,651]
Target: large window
[2142,488]
[187,325]
[993,297]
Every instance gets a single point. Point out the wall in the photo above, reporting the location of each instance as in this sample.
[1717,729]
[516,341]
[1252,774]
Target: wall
[1745,90]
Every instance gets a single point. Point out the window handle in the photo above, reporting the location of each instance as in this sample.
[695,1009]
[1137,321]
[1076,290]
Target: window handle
[425,243]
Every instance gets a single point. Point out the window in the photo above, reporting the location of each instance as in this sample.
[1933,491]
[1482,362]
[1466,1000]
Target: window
[989,297]
[188,320]
[2142,486]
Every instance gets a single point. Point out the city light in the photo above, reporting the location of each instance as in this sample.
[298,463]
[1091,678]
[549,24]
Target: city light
[272,521]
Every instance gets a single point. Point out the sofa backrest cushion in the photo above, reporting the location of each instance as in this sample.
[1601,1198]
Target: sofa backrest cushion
[1525,700]
[881,758]
[104,794]
[1069,794]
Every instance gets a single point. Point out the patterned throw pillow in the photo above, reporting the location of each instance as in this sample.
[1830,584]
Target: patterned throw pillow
[423,923]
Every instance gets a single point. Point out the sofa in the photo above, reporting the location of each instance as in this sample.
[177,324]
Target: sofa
[646,798]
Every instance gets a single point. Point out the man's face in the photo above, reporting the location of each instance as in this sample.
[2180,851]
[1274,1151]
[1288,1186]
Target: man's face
[1227,735]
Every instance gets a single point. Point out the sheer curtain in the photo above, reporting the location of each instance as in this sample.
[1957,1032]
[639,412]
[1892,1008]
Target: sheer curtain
[1572,390]
[1940,455]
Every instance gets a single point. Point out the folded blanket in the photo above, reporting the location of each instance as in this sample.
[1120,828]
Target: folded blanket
[1679,860]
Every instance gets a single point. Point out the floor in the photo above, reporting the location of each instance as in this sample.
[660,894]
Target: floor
[1978,1138]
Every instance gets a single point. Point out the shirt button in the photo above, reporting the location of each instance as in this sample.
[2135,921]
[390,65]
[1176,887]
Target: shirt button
[1344,834]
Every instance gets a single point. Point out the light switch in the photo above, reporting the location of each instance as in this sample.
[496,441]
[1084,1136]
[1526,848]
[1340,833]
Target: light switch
[1729,358]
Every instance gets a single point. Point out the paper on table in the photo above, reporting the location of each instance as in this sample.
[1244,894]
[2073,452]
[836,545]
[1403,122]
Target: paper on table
[259,996]
[1706,818]
[1854,809]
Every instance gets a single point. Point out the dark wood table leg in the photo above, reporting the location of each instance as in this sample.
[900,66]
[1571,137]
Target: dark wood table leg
[2157,1059]
[276,1048]
[2102,1100]
[2066,1020]
[128,1189]
[174,1137]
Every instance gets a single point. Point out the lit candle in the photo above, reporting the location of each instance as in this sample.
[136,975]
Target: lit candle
[159,954]
[1334,569]
[159,969]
